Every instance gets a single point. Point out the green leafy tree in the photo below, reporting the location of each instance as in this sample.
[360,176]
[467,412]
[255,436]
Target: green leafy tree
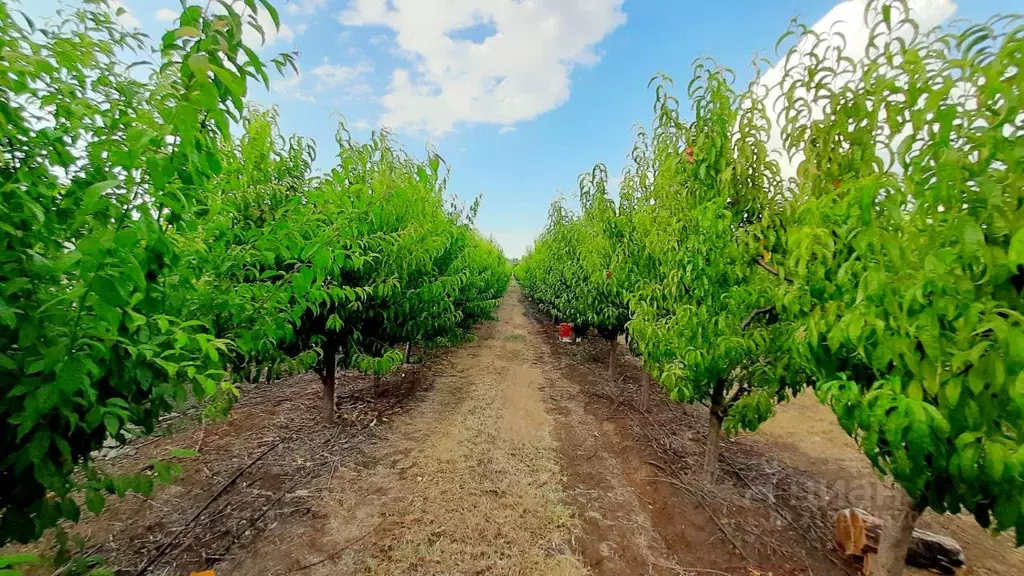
[338,271]
[98,171]
[637,270]
[604,294]
[705,325]
[248,244]
[578,267]
[906,248]
[552,273]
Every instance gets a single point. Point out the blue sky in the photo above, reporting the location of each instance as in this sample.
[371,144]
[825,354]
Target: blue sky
[519,96]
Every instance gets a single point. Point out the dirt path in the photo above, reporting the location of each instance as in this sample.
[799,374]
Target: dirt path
[510,455]
[467,483]
[512,464]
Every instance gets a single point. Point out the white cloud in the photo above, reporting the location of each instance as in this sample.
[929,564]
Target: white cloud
[290,86]
[519,72]
[348,79]
[271,35]
[126,18]
[361,124]
[847,19]
[305,6]
[165,15]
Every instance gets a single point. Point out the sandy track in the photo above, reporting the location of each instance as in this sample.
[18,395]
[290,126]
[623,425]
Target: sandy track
[466,483]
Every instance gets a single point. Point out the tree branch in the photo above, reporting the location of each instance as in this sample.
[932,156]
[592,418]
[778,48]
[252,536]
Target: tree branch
[188,526]
[738,392]
[766,311]
[771,269]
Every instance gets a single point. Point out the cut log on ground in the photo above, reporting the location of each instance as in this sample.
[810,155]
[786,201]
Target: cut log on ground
[857,534]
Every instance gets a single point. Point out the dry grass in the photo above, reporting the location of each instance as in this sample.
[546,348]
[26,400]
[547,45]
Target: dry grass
[468,483]
[479,490]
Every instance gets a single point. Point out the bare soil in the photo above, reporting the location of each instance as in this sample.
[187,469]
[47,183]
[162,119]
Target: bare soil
[512,454]
[804,435]
[468,483]
[777,490]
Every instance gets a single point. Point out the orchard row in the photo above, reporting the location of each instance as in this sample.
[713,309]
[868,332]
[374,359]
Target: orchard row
[149,256]
[855,227]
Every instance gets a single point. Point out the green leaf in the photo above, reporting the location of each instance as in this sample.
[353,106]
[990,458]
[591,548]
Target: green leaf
[974,238]
[273,13]
[183,453]
[8,560]
[234,83]
[144,485]
[121,485]
[39,444]
[163,472]
[100,187]
[111,423]
[1015,254]
[7,316]
[951,391]
[187,32]
[995,461]
[108,291]
[199,64]
[94,501]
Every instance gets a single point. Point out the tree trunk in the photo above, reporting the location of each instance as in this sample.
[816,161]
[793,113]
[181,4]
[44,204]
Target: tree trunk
[711,456]
[858,533]
[330,368]
[715,418]
[613,351]
[408,350]
[896,537]
[645,391]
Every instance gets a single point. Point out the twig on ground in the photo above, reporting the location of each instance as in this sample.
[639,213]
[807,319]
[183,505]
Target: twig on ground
[704,570]
[190,525]
[202,437]
[685,570]
[258,517]
[700,500]
[658,465]
[771,503]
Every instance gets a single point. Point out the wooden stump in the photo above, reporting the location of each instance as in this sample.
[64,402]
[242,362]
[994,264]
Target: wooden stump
[857,534]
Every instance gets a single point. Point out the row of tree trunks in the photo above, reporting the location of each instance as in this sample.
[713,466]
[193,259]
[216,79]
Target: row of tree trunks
[880,543]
